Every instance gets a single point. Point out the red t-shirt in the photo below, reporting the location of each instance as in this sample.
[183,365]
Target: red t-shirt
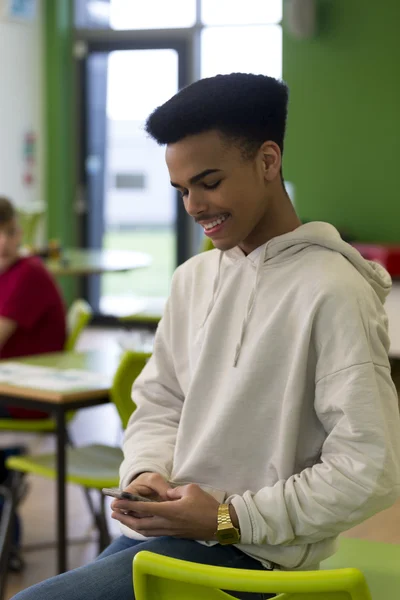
[30,297]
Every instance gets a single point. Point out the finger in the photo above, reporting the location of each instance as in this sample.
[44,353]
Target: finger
[146,526]
[131,506]
[131,513]
[153,482]
[150,533]
[169,509]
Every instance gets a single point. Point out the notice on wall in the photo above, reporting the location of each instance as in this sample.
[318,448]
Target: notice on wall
[22,11]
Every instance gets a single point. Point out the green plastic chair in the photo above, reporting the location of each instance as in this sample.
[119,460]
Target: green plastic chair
[78,317]
[147,319]
[380,564]
[95,466]
[157,577]
[30,222]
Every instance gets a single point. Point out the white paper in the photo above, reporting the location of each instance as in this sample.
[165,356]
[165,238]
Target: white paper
[47,378]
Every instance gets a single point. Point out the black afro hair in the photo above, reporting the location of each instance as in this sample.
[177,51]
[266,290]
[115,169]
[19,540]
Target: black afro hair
[248,109]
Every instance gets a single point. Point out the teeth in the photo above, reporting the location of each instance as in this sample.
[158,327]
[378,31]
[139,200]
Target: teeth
[215,223]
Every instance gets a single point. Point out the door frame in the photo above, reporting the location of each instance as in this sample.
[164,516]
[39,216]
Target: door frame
[87,43]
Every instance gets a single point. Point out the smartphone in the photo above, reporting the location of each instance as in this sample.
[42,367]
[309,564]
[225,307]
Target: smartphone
[121,495]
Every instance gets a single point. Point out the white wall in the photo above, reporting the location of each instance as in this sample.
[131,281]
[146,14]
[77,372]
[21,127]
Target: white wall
[21,107]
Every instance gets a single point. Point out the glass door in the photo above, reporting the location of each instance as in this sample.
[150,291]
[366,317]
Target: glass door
[131,205]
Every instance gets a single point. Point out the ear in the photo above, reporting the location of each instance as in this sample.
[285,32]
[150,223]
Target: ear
[271,160]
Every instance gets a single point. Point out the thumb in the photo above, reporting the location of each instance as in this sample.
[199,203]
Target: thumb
[175,493]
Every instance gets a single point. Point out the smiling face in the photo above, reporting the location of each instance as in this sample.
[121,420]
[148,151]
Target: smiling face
[224,192]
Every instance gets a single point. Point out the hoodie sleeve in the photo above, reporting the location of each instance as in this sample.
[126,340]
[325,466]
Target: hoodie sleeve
[149,440]
[355,400]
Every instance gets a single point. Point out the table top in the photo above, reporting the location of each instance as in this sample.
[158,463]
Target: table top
[103,363]
[83,261]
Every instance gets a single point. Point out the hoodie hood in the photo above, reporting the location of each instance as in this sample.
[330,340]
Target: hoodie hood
[326,236]
[284,247]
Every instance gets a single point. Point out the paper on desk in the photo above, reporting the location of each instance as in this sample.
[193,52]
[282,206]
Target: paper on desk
[47,378]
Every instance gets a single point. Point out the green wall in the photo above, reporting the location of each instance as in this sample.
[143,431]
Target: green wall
[343,139]
[59,120]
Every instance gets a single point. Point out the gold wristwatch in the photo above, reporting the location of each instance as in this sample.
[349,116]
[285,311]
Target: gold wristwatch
[226,532]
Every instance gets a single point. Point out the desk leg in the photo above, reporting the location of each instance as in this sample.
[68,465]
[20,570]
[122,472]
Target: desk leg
[61,493]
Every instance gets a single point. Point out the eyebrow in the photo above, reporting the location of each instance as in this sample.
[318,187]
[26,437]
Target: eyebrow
[196,178]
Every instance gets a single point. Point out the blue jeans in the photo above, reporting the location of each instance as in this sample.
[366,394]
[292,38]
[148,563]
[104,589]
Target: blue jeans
[4,413]
[109,577]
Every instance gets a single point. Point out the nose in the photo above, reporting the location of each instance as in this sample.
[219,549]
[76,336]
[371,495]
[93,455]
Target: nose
[195,203]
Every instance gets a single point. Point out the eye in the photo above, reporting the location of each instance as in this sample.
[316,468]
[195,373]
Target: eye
[183,193]
[212,186]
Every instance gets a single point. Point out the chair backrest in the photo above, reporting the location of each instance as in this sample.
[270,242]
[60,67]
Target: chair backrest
[130,366]
[30,222]
[157,577]
[78,316]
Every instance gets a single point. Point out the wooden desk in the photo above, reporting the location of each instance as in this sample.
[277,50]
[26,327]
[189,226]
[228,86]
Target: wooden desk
[81,262]
[58,403]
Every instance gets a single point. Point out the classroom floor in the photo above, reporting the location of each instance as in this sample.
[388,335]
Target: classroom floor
[101,424]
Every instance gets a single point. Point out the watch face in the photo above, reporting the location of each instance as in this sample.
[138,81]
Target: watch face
[228,536]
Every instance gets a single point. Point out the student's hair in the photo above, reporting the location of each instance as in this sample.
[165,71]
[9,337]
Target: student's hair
[7,210]
[247,109]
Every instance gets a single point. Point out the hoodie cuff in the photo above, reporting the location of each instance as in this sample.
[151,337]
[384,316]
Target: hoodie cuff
[245,526]
[128,477]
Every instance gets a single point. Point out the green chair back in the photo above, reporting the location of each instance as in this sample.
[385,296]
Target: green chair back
[207,244]
[78,316]
[30,222]
[157,577]
[129,368]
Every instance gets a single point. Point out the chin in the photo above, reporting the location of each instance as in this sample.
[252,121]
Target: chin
[224,244]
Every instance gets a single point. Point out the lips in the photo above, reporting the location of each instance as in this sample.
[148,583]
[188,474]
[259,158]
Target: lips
[211,223]
[211,228]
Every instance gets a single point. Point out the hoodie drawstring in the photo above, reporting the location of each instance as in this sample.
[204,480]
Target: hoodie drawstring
[249,308]
[215,288]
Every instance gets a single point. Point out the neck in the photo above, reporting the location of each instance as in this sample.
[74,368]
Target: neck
[279,218]
[9,264]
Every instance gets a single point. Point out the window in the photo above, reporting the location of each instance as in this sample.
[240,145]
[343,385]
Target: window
[248,49]
[130,181]
[135,14]
[241,12]
[241,36]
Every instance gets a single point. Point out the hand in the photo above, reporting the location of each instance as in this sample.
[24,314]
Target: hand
[188,513]
[151,485]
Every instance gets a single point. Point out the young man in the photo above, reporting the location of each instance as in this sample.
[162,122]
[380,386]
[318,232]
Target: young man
[32,313]
[266,420]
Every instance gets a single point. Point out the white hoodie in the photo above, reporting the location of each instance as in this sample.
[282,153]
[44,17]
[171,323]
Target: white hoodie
[270,387]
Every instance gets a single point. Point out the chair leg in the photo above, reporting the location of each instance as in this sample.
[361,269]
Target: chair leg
[5,535]
[7,520]
[90,504]
[85,490]
[104,535]
[99,517]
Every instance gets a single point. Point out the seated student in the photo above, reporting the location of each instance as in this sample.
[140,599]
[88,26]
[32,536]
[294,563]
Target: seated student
[267,421]
[32,313]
